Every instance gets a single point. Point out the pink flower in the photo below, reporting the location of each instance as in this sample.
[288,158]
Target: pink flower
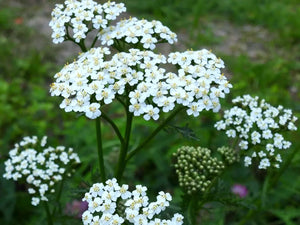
[239,190]
[76,208]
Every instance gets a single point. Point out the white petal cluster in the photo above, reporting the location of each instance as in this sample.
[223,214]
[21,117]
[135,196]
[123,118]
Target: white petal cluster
[257,123]
[39,166]
[109,200]
[77,18]
[199,83]
[138,76]
[136,31]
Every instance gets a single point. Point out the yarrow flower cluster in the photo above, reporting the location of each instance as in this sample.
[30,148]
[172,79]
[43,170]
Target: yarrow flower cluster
[136,31]
[257,123]
[91,82]
[39,166]
[73,20]
[108,200]
[77,18]
[197,168]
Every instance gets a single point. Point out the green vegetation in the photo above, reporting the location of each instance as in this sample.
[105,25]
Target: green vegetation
[26,108]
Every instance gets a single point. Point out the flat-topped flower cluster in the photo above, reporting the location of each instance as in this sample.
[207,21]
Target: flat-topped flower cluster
[257,123]
[135,31]
[115,204]
[135,75]
[74,19]
[91,82]
[39,166]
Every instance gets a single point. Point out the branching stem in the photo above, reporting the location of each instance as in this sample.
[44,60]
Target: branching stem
[153,134]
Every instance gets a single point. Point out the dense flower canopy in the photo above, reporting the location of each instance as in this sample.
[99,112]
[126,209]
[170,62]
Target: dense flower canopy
[39,166]
[104,200]
[135,74]
[91,82]
[256,123]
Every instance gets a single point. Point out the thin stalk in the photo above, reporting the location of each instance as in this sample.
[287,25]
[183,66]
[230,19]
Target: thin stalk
[195,205]
[68,35]
[288,161]
[94,42]
[269,182]
[124,148]
[58,196]
[247,217]
[82,46]
[153,134]
[234,143]
[192,210]
[114,126]
[122,102]
[265,189]
[207,191]
[49,217]
[100,150]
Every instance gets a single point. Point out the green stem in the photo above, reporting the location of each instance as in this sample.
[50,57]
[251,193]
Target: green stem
[58,196]
[122,102]
[234,143]
[269,182]
[82,46]
[247,217]
[153,134]
[114,126]
[288,161]
[49,218]
[100,150]
[207,191]
[94,42]
[117,47]
[124,148]
[192,210]
[195,205]
[68,34]
[265,189]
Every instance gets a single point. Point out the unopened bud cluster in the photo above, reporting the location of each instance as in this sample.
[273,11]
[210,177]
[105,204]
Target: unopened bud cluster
[196,167]
[39,166]
[257,123]
[229,156]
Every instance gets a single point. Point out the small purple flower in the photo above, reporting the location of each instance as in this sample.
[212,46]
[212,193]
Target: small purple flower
[76,208]
[240,190]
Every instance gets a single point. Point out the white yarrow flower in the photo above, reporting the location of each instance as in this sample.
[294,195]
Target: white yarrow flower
[41,169]
[258,123]
[138,210]
[91,82]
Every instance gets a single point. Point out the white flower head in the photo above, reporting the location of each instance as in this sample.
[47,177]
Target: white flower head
[31,161]
[91,82]
[102,205]
[72,20]
[256,122]
[135,31]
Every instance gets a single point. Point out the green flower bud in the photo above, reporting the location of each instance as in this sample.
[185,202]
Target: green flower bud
[196,167]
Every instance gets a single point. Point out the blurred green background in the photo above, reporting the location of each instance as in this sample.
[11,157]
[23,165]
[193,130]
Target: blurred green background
[259,41]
